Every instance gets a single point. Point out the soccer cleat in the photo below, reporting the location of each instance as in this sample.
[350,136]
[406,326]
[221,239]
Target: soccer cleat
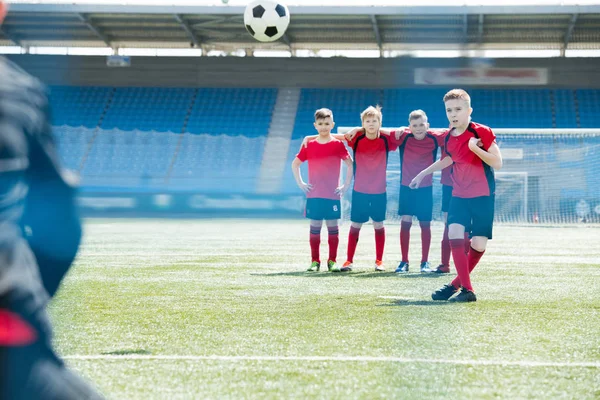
[426,267]
[332,266]
[402,268]
[314,266]
[442,269]
[347,267]
[379,266]
[464,296]
[444,293]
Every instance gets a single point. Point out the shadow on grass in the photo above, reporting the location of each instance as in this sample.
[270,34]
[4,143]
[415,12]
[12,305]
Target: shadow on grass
[398,276]
[408,302]
[353,274]
[307,274]
[126,352]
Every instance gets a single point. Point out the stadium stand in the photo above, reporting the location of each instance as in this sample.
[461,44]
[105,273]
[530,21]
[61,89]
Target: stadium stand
[346,105]
[147,109]
[232,111]
[131,137]
[78,106]
[589,107]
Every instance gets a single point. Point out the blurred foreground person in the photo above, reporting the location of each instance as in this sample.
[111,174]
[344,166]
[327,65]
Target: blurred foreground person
[39,237]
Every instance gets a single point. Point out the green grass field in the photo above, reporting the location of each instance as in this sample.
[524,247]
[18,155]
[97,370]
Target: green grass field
[173,309]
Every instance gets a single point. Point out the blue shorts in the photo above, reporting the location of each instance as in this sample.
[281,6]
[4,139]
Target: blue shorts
[322,209]
[475,214]
[417,202]
[446,196]
[365,206]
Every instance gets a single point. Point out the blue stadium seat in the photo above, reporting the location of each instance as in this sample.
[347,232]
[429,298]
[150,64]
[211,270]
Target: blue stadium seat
[512,108]
[346,105]
[129,158]
[78,106]
[159,109]
[589,107]
[398,103]
[245,112]
[564,106]
[218,163]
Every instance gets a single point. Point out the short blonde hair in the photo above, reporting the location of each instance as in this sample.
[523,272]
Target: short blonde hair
[323,113]
[416,114]
[371,112]
[456,94]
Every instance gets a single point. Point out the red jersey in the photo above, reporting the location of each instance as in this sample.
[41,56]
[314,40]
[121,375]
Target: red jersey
[370,162]
[323,167]
[416,155]
[471,177]
[446,172]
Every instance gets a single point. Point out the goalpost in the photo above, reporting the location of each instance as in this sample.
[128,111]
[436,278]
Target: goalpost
[549,176]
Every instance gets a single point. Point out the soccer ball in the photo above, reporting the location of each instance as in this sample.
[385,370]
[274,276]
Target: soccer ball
[266,20]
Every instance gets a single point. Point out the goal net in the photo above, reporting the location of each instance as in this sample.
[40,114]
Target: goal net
[549,176]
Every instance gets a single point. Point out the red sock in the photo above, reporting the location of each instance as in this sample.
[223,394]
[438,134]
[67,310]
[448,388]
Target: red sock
[379,243]
[425,240]
[315,242]
[333,240]
[446,248]
[352,242]
[467,243]
[461,264]
[405,239]
[473,259]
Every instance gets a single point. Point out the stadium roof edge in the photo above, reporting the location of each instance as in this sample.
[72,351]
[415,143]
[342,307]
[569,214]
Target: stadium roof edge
[306,10]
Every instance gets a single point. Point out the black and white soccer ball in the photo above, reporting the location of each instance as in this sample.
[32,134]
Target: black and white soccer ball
[266,20]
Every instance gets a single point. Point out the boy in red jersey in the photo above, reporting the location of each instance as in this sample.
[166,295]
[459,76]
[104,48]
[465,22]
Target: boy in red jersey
[369,196]
[323,192]
[418,149]
[472,151]
[446,181]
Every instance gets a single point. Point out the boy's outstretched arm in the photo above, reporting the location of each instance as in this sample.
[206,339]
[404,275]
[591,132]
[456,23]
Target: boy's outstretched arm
[436,166]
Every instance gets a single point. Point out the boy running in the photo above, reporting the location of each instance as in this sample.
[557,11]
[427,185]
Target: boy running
[472,151]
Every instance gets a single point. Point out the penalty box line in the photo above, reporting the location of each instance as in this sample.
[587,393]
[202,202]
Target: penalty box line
[402,360]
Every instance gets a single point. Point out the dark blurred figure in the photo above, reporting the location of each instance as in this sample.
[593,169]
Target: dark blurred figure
[40,232]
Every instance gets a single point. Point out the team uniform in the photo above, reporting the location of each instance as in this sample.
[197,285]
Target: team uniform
[38,199]
[324,175]
[322,202]
[472,204]
[369,195]
[473,182]
[415,156]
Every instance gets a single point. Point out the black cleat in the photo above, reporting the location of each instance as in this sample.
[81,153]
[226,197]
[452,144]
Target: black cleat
[444,293]
[442,269]
[464,296]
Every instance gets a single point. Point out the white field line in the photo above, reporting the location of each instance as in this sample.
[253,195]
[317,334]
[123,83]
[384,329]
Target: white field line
[402,360]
